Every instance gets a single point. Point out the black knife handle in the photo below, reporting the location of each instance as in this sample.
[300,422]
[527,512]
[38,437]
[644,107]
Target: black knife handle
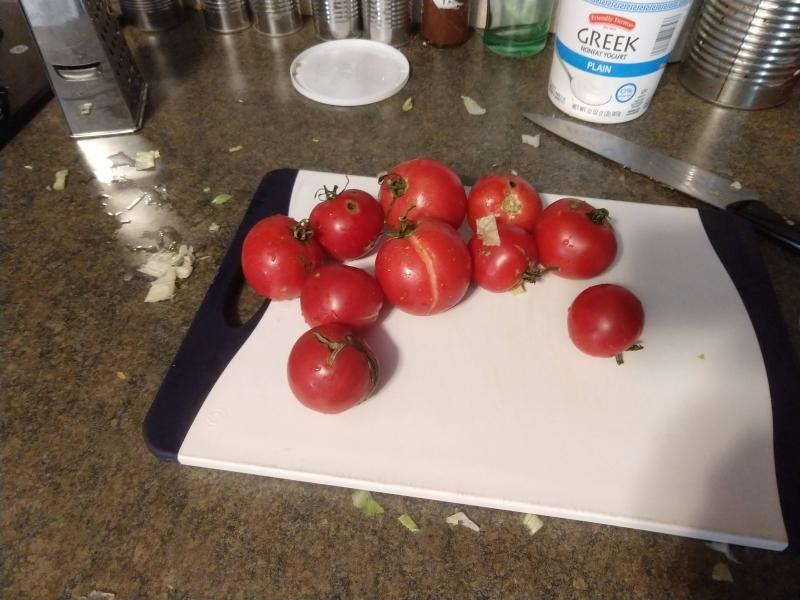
[768,222]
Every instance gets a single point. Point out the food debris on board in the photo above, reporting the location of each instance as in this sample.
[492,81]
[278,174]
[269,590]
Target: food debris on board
[409,523]
[167,266]
[461,519]
[701,356]
[30,168]
[86,108]
[221,199]
[486,230]
[532,522]
[532,140]
[721,572]
[207,189]
[121,375]
[736,185]
[473,107]
[234,149]
[408,104]
[364,501]
[61,179]
[724,548]
[213,227]
[579,583]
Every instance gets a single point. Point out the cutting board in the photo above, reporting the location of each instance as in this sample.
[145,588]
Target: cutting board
[490,404]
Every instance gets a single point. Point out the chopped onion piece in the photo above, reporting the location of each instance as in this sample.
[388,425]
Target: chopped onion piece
[146,160]
[406,520]
[234,149]
[461,519]
[160,291]
[408,104]
[473,107]
[736,185]
[61,179]
[207,189]
[364,501]
[721,572]
[532,140]
[486,230]
[532,522]
[86,108]
[516,291]
[723,548]
[30,168]
[213,227]
[222,199]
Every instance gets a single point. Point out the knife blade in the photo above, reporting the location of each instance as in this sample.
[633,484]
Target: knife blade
[689,179]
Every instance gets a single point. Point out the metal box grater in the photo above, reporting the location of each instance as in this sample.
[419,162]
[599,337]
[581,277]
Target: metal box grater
[89,65]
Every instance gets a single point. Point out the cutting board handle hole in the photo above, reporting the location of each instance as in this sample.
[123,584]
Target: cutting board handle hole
[242,302]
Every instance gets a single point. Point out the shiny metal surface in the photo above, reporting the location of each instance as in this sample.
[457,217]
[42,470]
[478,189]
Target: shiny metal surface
[336,19]
[387,21]
[276,18]
[686,178]
[227,16]
[89,65]
[152,15]
[744,53]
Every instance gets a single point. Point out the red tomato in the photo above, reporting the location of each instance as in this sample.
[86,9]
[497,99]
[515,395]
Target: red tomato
[277,256]
[341,294]
[504,267]
[575,240]
[430,187]
[347,224]
[511,199]
[425,268]
[605,320]
[330,369]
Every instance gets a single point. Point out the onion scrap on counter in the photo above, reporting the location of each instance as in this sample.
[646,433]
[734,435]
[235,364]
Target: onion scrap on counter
[167,266]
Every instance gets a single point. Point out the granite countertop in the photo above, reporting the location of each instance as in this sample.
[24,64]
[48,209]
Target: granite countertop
[87,507]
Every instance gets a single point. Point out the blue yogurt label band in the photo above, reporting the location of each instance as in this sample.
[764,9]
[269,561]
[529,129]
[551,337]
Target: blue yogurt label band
[605,68]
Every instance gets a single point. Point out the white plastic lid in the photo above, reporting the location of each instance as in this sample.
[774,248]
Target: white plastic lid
[349,72]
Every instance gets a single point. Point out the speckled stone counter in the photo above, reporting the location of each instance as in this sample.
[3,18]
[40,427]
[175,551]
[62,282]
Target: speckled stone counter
[87,507]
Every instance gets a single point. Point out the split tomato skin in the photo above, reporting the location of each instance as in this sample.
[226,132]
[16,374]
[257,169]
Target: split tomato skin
[504,267]
[426,270]
[330,369]
[429,186]
[347,225]
[341,294]
[511,199]
[278,255]
[605,320]
[574,239]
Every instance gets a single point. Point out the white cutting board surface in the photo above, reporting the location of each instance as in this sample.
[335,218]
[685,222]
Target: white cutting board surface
[490,404]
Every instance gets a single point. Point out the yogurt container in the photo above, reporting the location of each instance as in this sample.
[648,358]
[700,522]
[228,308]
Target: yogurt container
[609,56]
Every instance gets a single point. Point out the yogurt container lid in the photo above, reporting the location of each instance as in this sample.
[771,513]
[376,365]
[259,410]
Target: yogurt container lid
[349,72]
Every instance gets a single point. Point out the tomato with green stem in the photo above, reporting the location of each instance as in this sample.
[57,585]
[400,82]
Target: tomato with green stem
[606,320]
[507,264]
[330,369]
[424,268]
[575,239]
[422,188]
[347,224]
[278,254]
